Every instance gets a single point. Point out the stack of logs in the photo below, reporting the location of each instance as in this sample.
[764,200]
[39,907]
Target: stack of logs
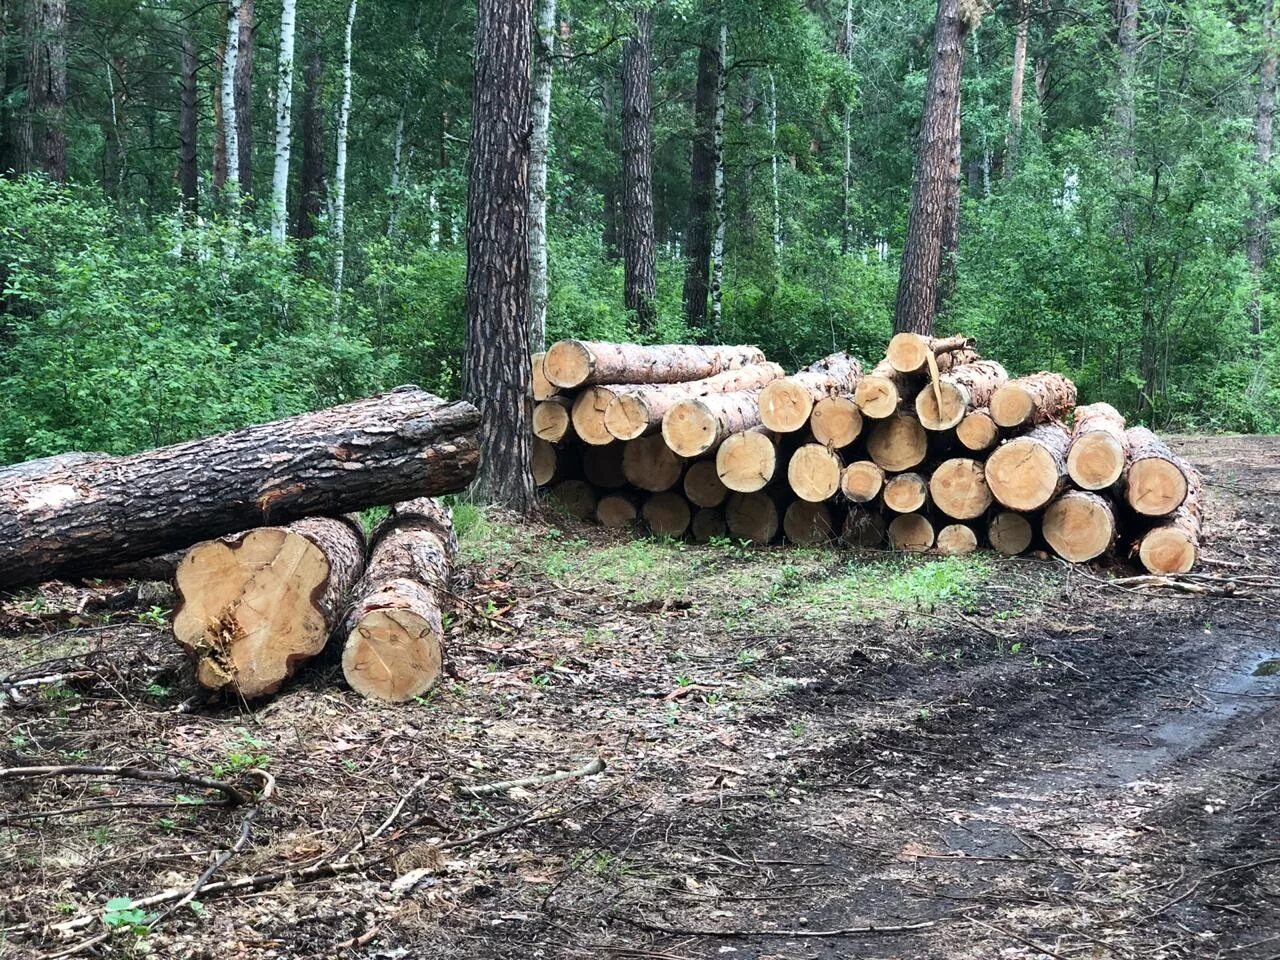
[935,448]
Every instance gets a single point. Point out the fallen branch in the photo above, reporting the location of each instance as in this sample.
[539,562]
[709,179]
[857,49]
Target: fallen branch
[867,930]
[489,789]
[234,796]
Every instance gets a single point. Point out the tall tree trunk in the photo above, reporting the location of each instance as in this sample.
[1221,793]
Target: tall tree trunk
[230,125]
[445,212]
[701,170]
[496,366]
[284,122]
[114,161]
[935,154]
[188,131]
[219,124]
[846,214]
[1256,242]
[639,255]
[340,165]
[244,95]
[539,148]
[609,235]
[1015,88]
[1125,112]
[311,187]
[43,137]
[773,161]
[951,220]
[717,142]
[397,162]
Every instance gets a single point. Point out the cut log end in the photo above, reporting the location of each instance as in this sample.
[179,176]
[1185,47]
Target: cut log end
[835,422]
[542,388]
[977,431]
[906,493]
[808,524]
[1012,405]
[1155,487]
[956,540]
[627,416]
[1167,549]
[959,488]
[1079,526]
[648,463]
[814,473]
[551,420]
[1034,399]
[616,512]
[703,486]
[911,533]
[907,352]
[394,654]
[747,461]
[877,397]
[1029,471]
[588,416]
[785,405]
[752,517]
[690,428]
[545,462]
[707,524]
[1096,460]
[897,444]
[862,481]
[666,514]
[1009,533]
[602,466]
[568,364]
[945,415]
[864,529]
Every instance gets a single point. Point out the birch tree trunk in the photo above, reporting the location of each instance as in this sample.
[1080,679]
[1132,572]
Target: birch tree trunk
[1256,242]
[244,95]
[846,221]
[773,147]
[1127,38]
[284,117]
[230,126]
[717,242]
[639,254]
[496,368]
[340,165]
[1015,88]
[188,131]
[397,161]
[311,189]
[701,171]
[539,148]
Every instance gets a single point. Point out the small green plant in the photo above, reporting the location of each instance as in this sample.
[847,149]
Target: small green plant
[156,615]
[540,680]
[796,729]
[684,680]
[121,914]
[157,690]
[749,656]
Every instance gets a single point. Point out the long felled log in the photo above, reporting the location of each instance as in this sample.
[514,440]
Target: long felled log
[1079,526]
[1099,447]
[747,461]
[1025,473]
[814,472]
[1156,480]
[634,411]
[589,408]
[254,606]
[942,405]
[911,532]
[666,514]
[1173,545]
[909,352]
[906,493]
[602,466]
[648,463]
[706,524]
[570,364]
[835,422]
[898,443]
[752,516]
[881,391]
[862,481]
[617,511]
[703,486]
[551,419]
[395,634]
[693,427]
[1009,533]
[785,404]
[71,520]
[863,528]
[546,463]
[1034,399]
[539,385]
[956,540]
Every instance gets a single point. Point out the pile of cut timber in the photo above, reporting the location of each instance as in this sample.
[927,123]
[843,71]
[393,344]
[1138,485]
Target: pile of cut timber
[934,448]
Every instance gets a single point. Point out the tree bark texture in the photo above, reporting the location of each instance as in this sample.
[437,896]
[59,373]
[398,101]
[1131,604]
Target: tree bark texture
[230,125]
[718,187]
[284,122]
[701,171]
[1015,88]
[244,95]
[339,227]
[311,187]
[634,411]
[583,363]
[496,365]
[1126,100]
[1099,447]
[43,136]
[188,130]
[219,124]
[846,206]
[73,520]
[1259,225]
[638,249]
[539,150]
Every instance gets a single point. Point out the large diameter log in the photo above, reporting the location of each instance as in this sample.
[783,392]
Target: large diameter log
[942,405]
[602,466]
[883,390]
[1033,399]
[636,411]
[589,407]
[1079,526]
[394,632]
[1156,480]
[666,514]
[863,528]
[69,521]
[696,426]
[38,468]
[570,364]
[254,606]
[617,511]
[910,352]
[835,422]
[959,488]
[906,493]
[707,524]
[539,385]
[752,517]
[747,461]
[808,524]
[813,472]
[703,486]
[785,404]
[552,420]
[898,443]
[1025,473]
[575,498]
[1099,447]
[648,463]
[911,533]
[977,431]
[546,463]
[956,540]
[1173,545]
[1009,533]
[862,481]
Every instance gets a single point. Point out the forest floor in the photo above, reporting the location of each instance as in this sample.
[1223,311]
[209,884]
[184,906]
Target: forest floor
[983,757]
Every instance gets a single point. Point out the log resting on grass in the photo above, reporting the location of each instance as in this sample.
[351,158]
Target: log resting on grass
[617,511]
[1009,533]
[911,532]
[706,524]
[570,364]
[960,390]
[808,524]
[635,411]
[1099,447]
[666,514]
[1174,544]
[785,404]
[956,540]
[1034,399]
[69,521]
[751,516]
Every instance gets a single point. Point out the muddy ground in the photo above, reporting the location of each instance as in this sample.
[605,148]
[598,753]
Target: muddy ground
[977,758]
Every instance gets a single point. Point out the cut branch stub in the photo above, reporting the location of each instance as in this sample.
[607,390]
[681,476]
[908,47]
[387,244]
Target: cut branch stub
[1156,480]
[570,364]
[785,404]
[1099,447]
[747,461]
[1027,472]
[1034,399]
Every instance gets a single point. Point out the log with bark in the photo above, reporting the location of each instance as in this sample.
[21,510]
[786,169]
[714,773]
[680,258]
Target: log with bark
[1009,533]
[1027,472]
[552,419]
[1034,399]
[1079,526]
[835,422]
[862,481]
[1173,545]
[635,411]
[539,385]
[648,463]
[785,404]
[906,493]
[666,514]
[703,486]
[813,472]
[977,431]
[898,443]
[589,408]
[1156,480]
[1099,447]
[571,364]
[808,524]
[943,404]
[959,488]
[911,533]
[747,461]
[752,517]
[909,352]
[254,606]
[69,521]
[394,646]
[694,427]
[956,540]
[883,390]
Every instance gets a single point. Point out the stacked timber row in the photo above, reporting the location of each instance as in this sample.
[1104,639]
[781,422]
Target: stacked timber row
[934,449]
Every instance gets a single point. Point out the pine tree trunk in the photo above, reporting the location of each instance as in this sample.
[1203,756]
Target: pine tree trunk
[284,122]
[311,187]
[188,131]
[1256,242]
[339,233]
[230,124]
[701,171]
[935,152]
[396,187]
[609,233]
[718,228]
[638,251]
[496,371]
[846,220]
[539,148]
[244,96]
[1015,88]
[43,137]
[950,220]
[1125,111]
[773,162]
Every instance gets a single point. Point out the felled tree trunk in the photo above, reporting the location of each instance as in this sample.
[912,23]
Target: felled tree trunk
[254,606]
[909,352]
[863,528]
[883,390]
[942,405]
[551,419]
[808,524]
[706,524]
[956,540]
[1034,399]
[835,422]
[1099,447]
[977,431]
[395,633]
[752,516]
[1079,526]
[635,411]
[666,514]
[959,488]
[1029,471]
[813,472]
[1156,480]
[898,443]
[575,498]
[1173,545]
[906,493]
[548,466]
[648,463]
[542,388]
[588,415]
[69,521]
[570,364]
[747,461]
[694,427]
[602,466]
[1009,533]
[703,486]
[862,481]
[911,533]
[785,404]
[617,511]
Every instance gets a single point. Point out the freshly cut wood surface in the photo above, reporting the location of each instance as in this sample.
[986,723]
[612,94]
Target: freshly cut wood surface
[814,472]
[883,390]
[785,404]
[1033,399]
[1099,447]
[862,481]
[707,524]
[835,422]
[808,524]
[747,461]
[570,364]
[909,352]
[576,498]
[68,521]
[638,410]
[694,427]
[394,631]
[552,419]
[977,431]
[666,514]
[1025,473]
[956,540]
[906,492]
[1173,545]
[649,464]
[959,488]
[546,464]
[542,388]
[588,415]
[1079,526]
[703,486]
[751,516]
[254,606]
[1009,533]
[911,532]
[617,511]
[962,389]
[898,443]
[602,466]
[864,528]
[1156,480]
